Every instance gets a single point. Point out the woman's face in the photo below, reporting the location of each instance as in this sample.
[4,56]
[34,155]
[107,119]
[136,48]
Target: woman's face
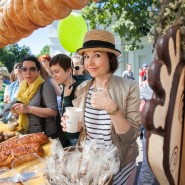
[78,68]
[96,63]
[29,71]
[17,69]
[59,75]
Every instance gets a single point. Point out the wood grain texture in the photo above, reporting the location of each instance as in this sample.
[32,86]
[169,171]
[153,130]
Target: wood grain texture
[163,114]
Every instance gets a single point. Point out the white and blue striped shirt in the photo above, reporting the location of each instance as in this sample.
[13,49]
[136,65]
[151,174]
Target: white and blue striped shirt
[98,127]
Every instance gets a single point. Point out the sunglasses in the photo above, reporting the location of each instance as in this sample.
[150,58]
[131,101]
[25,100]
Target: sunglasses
[31,69]
[17,67]
[76,67]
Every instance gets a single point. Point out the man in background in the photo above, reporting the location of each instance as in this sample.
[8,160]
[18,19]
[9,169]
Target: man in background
[128,72]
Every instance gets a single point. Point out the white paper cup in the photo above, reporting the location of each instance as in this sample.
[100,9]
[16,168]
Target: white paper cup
[73,117]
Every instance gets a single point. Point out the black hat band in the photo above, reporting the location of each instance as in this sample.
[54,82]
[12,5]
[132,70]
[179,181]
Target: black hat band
[97,44]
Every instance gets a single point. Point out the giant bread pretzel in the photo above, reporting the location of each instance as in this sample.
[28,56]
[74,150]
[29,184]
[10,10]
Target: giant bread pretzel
[19,18]
[164,115]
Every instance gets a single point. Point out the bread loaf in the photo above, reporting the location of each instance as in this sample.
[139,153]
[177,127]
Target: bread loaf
[8,156]
[38,138]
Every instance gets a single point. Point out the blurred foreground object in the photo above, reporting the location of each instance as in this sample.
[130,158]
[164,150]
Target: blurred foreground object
[164,115]
[18,20]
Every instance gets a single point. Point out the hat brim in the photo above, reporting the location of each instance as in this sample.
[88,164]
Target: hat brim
[114,51]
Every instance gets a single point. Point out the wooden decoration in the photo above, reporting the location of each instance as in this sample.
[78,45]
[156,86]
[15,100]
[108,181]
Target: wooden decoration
[163,115]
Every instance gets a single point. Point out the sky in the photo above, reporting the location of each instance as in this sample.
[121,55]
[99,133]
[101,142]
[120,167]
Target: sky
[37,40]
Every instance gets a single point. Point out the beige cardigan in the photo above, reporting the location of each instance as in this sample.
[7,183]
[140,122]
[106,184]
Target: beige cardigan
[126,94]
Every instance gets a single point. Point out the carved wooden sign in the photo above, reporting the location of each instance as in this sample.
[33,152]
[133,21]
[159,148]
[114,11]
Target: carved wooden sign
[163,115]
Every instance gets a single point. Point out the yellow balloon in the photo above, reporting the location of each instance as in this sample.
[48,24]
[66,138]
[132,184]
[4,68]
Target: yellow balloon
[71,31]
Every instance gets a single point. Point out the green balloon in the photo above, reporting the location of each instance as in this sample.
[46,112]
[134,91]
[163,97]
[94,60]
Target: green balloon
[71,31]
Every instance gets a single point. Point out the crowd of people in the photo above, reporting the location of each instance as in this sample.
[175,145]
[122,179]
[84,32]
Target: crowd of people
[43,87]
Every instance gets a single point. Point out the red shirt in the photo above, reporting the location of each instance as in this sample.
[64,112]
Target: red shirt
[142,73]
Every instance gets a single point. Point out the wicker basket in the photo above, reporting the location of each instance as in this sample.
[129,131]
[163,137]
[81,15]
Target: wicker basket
[73,148]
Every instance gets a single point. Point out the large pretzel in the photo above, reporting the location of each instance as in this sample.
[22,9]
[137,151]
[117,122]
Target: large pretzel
[19,18]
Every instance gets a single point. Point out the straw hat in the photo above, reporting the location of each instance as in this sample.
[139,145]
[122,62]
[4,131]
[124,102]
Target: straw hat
[99,40]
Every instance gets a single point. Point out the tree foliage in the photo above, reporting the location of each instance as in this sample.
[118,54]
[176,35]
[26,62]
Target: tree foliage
[132,19]
[13,53]
[45,50]
[128,18]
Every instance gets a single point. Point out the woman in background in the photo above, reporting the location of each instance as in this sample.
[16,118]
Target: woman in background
[14,86]
[39,105]
[12,89]
[62,73]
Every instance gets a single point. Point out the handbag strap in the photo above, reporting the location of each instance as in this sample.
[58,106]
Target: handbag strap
[41,95]
[42,120]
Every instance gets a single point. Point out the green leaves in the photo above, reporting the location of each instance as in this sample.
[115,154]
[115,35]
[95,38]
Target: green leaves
[45,50]
[125,17]
[13,53]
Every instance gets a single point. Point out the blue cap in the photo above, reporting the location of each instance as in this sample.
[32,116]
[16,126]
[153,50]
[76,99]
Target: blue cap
[144,65]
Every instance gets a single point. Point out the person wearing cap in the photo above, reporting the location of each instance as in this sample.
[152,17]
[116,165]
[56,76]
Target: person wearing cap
[142,73]
[110,104]
[146,175]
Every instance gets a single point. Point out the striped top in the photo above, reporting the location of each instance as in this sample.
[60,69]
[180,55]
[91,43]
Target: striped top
[97,123]
[98,127]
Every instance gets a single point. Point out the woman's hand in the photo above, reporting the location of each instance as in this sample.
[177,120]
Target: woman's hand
[19,108]
[6,99]
[67,90]
[102,100]
[64,126]
[63,123]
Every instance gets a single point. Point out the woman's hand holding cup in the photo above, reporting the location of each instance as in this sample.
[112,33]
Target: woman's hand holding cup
[70,122]
[63,122]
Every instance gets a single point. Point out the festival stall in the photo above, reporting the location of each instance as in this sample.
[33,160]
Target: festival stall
[31,158]
[36,159]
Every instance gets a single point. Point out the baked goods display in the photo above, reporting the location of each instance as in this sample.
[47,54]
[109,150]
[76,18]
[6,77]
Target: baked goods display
[7,136]
[19,18]
[9,155]
[22,146]
[38,138]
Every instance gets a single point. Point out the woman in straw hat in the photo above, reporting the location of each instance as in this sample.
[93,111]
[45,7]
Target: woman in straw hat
[110,103]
